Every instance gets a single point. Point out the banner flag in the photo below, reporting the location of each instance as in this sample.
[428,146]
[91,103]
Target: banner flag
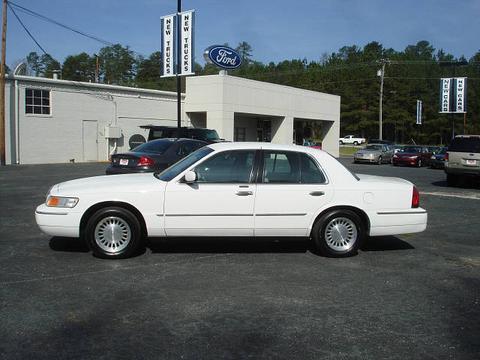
[445,89]
[168,46]
[419,112]
[460,98]
[187,23]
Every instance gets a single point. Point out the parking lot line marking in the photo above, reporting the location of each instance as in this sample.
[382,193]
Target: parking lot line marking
[460,196]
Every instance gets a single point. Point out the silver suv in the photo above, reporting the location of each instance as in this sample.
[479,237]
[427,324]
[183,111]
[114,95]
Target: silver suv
[463,158]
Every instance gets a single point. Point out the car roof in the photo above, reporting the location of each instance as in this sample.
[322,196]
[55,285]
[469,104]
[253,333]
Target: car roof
[264,146]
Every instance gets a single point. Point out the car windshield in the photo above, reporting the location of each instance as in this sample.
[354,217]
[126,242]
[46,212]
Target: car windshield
[171,172]
[373,147]
[209,135]
[412,149]
[154,147]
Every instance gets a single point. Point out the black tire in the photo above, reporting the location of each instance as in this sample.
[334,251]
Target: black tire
[327,245]
[419,163]
[379,161]
[123,241]
[341,142]
[452,180]
[355,143]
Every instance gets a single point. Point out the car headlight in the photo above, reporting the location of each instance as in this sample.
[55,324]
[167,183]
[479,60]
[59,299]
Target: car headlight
[60,201]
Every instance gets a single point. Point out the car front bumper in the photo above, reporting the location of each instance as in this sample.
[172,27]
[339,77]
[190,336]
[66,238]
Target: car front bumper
[58,221]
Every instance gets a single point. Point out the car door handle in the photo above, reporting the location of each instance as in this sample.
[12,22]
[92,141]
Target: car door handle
[317,193]
[244,193]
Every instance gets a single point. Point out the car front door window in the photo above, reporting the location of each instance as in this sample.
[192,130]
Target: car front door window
[227,167]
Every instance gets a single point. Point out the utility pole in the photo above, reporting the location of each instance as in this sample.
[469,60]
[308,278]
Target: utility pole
[2,83]
[179,68]
[381,73]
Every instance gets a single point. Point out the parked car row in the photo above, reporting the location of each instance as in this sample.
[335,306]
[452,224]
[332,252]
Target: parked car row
[398,155]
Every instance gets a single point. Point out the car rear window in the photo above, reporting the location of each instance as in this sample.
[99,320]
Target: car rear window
[465,144]
[155,147]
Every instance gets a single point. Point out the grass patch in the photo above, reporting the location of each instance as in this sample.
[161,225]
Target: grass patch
[348,150]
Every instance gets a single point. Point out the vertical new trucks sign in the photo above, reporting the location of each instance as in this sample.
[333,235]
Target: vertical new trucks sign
[172,54]
[168,46]
[453,95]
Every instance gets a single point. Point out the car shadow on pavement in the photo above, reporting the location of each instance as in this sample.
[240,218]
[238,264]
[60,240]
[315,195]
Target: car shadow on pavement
[228,245]
[465,184]
[386,243]
[68,244]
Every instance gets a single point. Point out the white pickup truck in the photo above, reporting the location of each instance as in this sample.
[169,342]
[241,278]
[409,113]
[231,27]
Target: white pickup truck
[352,139]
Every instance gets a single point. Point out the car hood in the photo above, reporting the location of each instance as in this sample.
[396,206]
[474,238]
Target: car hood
[369,152]
[109,183]
[403,154]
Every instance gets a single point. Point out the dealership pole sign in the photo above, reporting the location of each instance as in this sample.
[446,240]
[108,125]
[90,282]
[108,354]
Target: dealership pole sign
[178,44]
[223,56]
[453,95]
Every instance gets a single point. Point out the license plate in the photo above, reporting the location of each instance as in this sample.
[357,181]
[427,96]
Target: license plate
[471,162]
[123,161]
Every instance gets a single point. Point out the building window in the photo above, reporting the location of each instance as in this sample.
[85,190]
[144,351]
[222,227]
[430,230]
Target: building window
[37,101]
[239,134]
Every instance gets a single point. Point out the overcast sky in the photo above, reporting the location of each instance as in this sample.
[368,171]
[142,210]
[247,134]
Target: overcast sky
[276,30]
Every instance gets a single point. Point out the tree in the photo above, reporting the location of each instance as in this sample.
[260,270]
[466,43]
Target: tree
[42,65]
[245,51]
[117,64]
[148,71]
[79,67]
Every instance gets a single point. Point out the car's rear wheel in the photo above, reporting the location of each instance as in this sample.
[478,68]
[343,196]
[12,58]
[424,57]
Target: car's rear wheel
[341,142]
[113,233]
[355,143]
[419,163]
[338,233]
[379,161]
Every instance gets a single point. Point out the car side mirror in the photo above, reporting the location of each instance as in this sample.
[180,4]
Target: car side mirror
[190,177]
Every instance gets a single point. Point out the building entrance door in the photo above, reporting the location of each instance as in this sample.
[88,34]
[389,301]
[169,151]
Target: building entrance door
[90,140]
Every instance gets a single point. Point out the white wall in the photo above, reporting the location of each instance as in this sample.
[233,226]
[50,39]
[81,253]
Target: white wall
[58,137]
[223,96]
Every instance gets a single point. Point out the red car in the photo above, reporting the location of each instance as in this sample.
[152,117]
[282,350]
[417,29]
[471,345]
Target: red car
[412,156]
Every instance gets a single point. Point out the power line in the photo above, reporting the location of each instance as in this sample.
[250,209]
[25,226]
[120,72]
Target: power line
[25,28]
[45,18]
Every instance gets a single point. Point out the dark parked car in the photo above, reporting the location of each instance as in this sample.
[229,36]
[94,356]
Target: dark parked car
[463,158]
[412,156]
[437,161]
[155,155]
[161,132]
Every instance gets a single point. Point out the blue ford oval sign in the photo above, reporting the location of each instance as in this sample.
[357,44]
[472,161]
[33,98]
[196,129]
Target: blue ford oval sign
[223,56]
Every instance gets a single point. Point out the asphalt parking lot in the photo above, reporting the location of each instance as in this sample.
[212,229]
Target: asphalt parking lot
[411,296]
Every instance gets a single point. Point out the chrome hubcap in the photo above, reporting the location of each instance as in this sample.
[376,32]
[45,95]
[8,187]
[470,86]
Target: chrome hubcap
[112,234]
[341,234]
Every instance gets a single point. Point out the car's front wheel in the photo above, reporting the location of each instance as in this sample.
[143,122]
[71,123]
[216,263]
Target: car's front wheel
[338,233]
[113,233]
[379,161]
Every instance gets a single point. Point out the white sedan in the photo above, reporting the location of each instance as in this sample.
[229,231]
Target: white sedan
[234,189]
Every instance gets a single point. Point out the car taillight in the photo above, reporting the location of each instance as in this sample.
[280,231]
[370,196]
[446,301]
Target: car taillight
[415,198]
[145,161]
[446,157]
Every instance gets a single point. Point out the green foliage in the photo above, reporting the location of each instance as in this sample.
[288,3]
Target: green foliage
[79,67]
[117,65]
